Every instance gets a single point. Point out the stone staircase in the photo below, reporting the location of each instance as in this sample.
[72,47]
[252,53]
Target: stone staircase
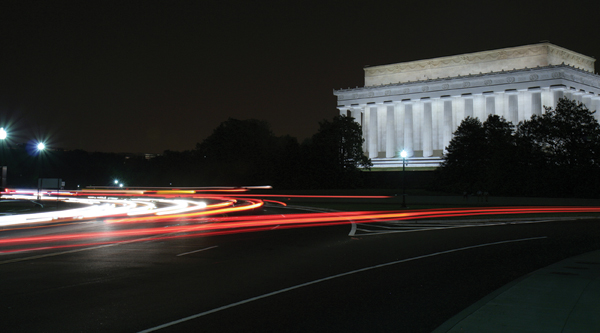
[411,162]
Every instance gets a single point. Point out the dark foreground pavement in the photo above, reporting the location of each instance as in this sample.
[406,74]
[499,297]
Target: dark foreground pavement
[563,297]
[284,280]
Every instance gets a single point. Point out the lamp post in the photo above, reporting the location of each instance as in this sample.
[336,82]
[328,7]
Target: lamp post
[40,149]
[4,165]
[403,155]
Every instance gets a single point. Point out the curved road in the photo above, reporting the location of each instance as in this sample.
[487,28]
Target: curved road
[319,279]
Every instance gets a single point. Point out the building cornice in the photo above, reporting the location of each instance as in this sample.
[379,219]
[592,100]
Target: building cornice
[491,79]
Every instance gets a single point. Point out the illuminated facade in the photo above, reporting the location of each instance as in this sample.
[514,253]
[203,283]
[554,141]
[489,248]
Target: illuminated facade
[416,106]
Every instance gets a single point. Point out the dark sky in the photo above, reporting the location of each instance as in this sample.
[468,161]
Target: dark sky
[147,76]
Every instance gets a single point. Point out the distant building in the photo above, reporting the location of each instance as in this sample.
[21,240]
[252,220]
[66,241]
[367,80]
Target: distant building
[416,106]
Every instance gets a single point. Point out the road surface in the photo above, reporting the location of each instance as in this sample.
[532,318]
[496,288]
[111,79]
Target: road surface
[405,276]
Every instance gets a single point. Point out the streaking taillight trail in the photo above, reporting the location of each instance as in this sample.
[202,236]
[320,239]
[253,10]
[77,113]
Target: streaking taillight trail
[133,215]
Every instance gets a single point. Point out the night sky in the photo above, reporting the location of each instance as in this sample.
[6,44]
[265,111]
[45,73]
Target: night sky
[147,76]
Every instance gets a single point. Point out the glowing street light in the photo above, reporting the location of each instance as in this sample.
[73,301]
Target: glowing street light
[403,155]
[3,167]
[40,147]
[116,181]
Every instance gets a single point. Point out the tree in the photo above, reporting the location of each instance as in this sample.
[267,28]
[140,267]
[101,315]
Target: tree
[464,160]
[498,155]
[568,135]
[555,154]
[478,156]
[563,145]
[335,153]
[238,152]
[342,141]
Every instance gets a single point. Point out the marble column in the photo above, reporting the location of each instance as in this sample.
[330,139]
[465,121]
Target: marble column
[343,110]
[458,111]
[437,111]
[399,116]
[536,102]
[390,141]
[447,120]
[408,128]
[479,107]
[524,100]
[356,113]
[490,103]
[568,94]
[577,95]
[373,137]
[381,127]
[547,98]
[596,106]
[558,92]
[586,99]
[417,118]
[426,128]
[500,108]
[468,105]
[513,106]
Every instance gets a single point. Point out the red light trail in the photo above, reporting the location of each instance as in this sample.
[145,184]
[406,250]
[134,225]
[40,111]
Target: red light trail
[208,220]
[134,213]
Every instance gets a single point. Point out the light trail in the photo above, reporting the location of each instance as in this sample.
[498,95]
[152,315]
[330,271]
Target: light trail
[110,203]
[198,224]
[188,212]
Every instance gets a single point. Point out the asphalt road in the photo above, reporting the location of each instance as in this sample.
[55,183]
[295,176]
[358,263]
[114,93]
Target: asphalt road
[316,279]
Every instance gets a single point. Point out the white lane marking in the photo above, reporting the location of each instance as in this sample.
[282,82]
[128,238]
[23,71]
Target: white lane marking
[71,251]
[198,315]
[208,248]
[368,232]
[150,238]
[352,230]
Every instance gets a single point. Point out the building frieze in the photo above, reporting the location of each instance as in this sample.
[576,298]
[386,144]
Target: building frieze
[528,75]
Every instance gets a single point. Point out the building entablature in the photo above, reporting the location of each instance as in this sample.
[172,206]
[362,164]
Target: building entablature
[519,79]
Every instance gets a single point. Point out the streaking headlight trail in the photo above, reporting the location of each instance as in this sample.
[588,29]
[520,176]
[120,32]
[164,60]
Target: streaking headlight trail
[142,214]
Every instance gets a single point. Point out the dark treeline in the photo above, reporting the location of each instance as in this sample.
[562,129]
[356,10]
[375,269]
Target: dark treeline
[237,153]
[556,154]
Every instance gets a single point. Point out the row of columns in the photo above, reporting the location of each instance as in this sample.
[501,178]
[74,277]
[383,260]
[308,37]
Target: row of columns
[426,125]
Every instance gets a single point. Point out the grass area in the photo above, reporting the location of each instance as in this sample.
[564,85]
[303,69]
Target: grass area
[362,191]
[342,206]
[400,169]
[10,207]
[432,200]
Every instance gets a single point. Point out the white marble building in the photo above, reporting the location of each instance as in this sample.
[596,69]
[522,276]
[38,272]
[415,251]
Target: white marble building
[416,106]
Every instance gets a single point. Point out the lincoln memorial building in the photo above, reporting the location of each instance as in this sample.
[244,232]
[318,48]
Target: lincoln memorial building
[416,106]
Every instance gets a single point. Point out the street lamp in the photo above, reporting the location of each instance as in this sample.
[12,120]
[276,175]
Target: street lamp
[40,148]
[403,155]
[4,165]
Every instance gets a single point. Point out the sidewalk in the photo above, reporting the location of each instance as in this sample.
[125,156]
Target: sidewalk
[498,201]
[563,297]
